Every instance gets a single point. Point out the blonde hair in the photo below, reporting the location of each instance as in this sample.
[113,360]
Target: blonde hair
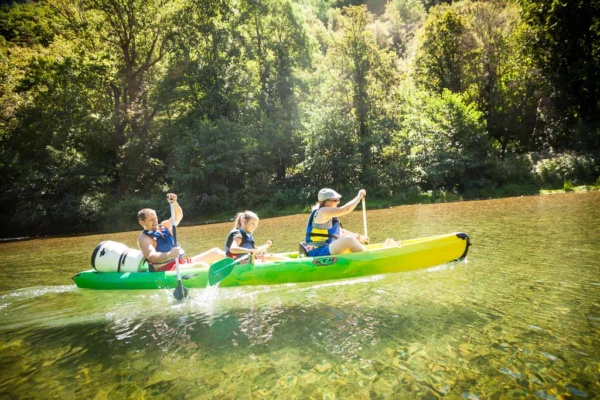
[319,204]
[243,216]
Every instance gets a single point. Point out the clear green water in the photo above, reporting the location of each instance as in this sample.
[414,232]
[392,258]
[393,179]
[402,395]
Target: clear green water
[519,319]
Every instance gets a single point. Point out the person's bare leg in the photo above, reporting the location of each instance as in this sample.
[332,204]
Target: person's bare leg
[392,243]
[194,264]
[209,256]
[346,244]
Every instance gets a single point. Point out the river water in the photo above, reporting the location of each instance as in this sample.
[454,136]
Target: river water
[519,319]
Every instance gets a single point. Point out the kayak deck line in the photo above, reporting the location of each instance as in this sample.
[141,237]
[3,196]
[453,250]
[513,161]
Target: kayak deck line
[412,255]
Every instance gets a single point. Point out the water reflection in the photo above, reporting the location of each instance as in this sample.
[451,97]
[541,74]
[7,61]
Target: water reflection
[418,347]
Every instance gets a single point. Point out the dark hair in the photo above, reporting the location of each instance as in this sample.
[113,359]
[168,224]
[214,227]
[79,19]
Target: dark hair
[143,213]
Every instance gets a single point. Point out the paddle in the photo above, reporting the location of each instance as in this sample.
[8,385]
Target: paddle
[222,268]
[364,208]
[180,292]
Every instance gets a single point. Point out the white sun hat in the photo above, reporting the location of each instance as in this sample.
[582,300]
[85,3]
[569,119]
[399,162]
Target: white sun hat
[328,194]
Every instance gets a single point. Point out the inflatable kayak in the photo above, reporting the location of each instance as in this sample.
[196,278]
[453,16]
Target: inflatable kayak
[412,255]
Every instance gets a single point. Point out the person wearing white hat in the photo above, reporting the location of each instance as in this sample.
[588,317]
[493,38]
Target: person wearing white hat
[324,233]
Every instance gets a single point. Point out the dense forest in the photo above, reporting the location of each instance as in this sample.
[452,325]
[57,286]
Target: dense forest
[105,105]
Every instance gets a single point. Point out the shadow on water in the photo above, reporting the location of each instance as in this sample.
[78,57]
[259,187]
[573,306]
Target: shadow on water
[150,343]
[153,319]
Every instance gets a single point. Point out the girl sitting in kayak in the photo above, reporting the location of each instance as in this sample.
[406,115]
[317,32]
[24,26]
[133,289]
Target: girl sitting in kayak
[240,241]
[324,233]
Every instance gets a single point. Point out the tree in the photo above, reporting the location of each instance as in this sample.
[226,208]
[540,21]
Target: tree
[52,144]
[349,112]
[131,38]
[404,18]
[279,45]
[370,74]
[450,150]
[63,185]
[208,95]
[207,74]
[566,45]
[503,80]
[238,66]
[443,53]
[476,49]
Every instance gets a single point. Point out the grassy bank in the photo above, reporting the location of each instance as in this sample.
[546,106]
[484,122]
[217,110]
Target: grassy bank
[430,197]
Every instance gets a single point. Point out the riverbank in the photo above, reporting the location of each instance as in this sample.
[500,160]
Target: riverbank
[422,198]
[372,204]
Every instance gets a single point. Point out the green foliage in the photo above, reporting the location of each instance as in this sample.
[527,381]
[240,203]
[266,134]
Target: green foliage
[568,187]
[476,49]
[28,24]
[449,147]
[122,215]
[403,18]
[553,170]
[444,51]
[106,105]
[209,162]
[59,155]
[515,169]
[566,45]
[332,157]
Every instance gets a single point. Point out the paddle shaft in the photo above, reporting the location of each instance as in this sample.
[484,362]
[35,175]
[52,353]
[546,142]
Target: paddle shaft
[364,209]
[174,228]
[180,291]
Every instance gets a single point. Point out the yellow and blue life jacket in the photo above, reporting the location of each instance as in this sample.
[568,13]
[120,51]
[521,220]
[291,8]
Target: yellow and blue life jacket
[322,234]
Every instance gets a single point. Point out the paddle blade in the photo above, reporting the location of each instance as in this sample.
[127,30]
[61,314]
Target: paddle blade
[180,292]
[220,270]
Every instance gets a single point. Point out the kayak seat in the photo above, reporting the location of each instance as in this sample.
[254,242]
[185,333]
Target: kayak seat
[302,250]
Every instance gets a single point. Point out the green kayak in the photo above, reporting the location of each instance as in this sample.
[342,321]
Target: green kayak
[412,255]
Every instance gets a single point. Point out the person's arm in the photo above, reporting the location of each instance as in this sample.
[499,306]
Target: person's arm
[172,197]
[326,213]
[263,249]
[236,248]
[146,245]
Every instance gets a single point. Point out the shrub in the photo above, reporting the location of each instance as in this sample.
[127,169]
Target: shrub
[556,169]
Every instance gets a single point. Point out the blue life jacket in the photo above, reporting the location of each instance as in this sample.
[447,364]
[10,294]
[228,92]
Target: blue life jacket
[164,244]
[247,242]
[322,234]
[164,239]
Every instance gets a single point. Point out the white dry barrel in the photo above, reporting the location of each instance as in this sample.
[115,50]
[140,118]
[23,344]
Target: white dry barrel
[111,256]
